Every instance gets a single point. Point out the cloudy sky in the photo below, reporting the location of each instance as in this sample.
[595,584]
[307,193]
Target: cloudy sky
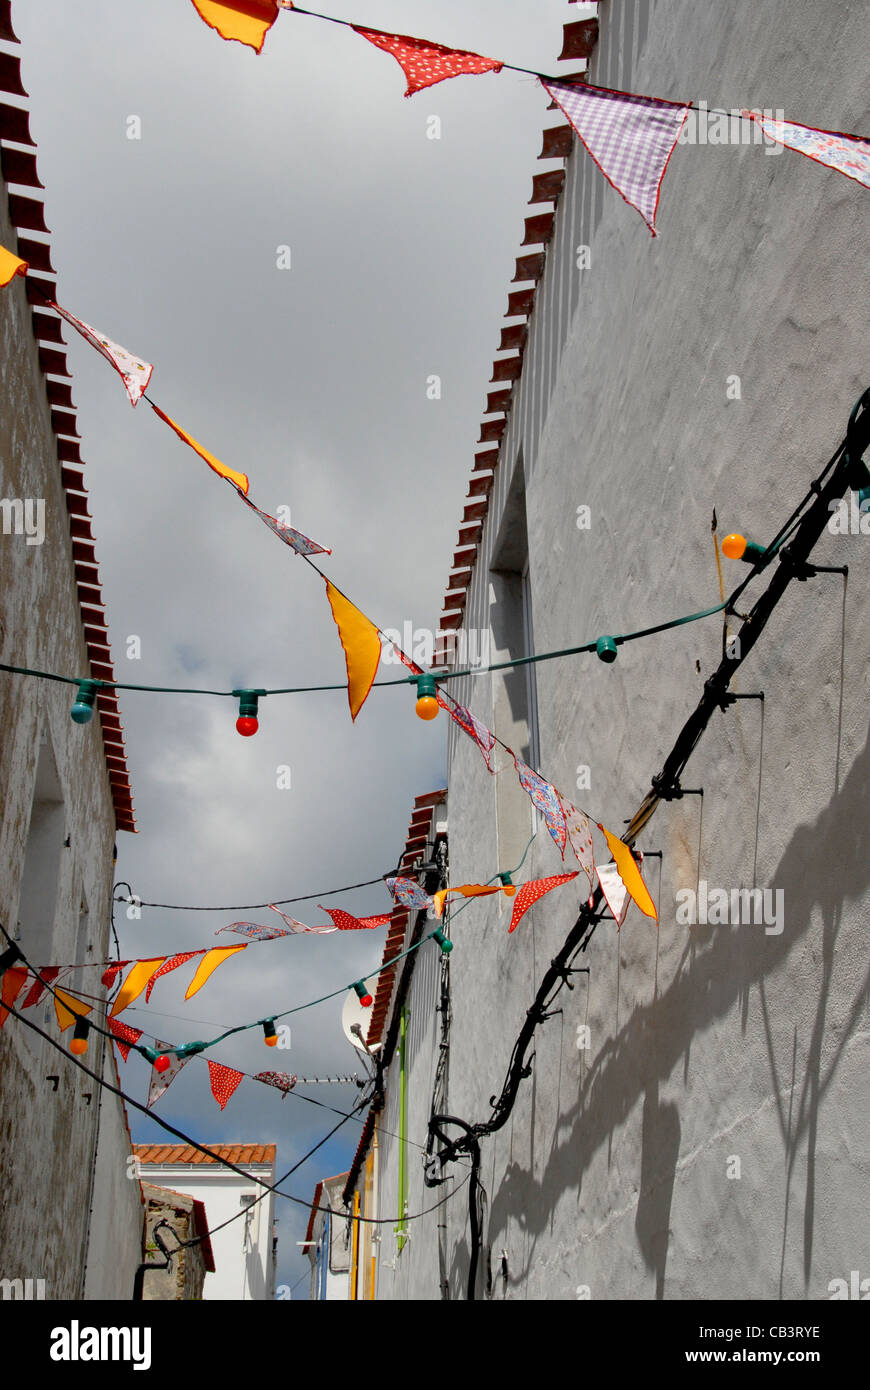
[313,381]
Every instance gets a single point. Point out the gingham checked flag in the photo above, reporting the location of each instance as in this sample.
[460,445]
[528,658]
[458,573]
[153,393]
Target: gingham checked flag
[631,138]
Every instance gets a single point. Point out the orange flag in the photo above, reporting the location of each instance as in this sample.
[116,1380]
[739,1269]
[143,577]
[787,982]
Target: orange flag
[13,983]
[629,873]
[71,1009]
[471,890]
[246,21]
[362,647]
[10,266]
[135,983]
[208,965]
[240,479]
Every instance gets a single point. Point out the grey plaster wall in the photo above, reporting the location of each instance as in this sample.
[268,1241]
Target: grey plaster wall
[707,1044]
[48,1136]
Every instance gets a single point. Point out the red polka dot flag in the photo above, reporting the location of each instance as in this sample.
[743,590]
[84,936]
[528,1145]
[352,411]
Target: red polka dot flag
[224,1081]
[531,891]
[124,1036]
[346,922]
[423,63]
[171,963]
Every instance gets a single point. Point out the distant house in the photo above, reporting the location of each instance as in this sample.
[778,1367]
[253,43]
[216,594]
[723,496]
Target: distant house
[244,1250]
[329,1241]
[178,1219]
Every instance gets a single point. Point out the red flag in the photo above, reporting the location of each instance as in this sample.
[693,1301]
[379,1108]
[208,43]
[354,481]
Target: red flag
[14,980]
[49,973]
[424,63]
[531,891]
[224,1081]
[171,963]
[124,1036]
[346,922]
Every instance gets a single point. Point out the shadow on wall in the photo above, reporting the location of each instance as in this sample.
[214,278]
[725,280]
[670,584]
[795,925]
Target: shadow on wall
[825,864]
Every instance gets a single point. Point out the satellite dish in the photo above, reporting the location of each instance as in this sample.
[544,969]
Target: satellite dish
[355,1017]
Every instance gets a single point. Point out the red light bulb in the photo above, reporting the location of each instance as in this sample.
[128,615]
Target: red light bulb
[366,1001]
[246,725]
[162,1063]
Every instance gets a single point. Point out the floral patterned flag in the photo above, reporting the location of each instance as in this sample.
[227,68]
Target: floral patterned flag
[531,891]
[124,1036]
[344,921]
[544,795]
[134,373]
[482,736]
[615,892]
[162,1080]
[579,828]
[281,1079]
[630,137]
[424,63]
[849,154]
[408,892]
[255,932]
[303,545]
[224,1081]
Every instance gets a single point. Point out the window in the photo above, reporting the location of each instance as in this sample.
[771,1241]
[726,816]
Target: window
[514,692]
[37,903]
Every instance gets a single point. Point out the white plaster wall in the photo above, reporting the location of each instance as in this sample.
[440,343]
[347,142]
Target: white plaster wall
[243,1259]
[47,1137]
[718,1042]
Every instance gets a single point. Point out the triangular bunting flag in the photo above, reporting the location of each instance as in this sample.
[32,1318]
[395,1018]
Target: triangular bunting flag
[48,975]
[171,963]
[846,153]
[239,480]
[297,927]
[254,931]
[615,892]
[108,975]
[346,922]
[362,647]
[135,983]
[224,1081]
[424,63]
[544,795]
[135,374]
[630,873]
[68,1009]
[630,137]
[407,892]
[303,545]
[281,1079]
[579,829]
[246,21]
[162,1080]
[531,891]
[209,964]
[124,1036]
[471,890]
[10,266]
[482,736]
[14,980]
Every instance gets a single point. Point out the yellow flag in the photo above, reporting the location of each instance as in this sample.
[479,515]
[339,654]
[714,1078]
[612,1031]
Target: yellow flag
[247,21]
[71,1009]
[208,965]
[135,983]
[240,479]
[362,647]
[626,865]
[10,266]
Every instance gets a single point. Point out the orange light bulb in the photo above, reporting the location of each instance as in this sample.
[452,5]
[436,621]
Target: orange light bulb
[78,1046]
[426,707]
[733,546]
